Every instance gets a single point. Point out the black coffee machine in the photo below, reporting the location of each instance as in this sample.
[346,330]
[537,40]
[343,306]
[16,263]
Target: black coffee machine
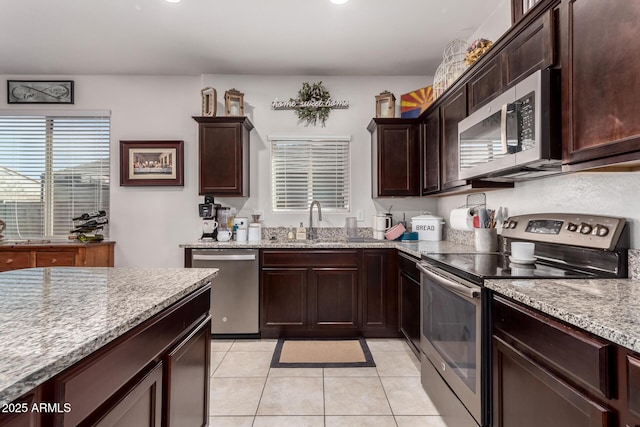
[209,214]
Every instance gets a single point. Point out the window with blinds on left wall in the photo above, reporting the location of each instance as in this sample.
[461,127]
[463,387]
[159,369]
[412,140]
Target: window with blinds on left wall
[53,167]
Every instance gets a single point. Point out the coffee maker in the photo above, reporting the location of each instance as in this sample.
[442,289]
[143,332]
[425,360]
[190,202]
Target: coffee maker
[209,214]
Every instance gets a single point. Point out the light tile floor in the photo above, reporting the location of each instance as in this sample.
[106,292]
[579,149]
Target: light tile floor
[245,391]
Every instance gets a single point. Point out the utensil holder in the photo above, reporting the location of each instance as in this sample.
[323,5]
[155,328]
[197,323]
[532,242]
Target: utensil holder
[486,239]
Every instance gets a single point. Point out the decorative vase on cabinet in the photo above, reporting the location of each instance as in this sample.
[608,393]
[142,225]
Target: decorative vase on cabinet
[223,155]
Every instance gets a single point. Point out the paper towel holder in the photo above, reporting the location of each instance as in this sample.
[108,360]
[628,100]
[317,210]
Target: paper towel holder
[476,200]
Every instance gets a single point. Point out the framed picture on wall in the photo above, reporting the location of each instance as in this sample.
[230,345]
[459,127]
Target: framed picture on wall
[151,163]
[40,91]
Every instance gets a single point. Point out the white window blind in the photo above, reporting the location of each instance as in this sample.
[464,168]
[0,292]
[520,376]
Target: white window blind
[303,170]
[52,168]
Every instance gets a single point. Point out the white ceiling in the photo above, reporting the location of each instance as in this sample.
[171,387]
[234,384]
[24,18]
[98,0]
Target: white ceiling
[299,37]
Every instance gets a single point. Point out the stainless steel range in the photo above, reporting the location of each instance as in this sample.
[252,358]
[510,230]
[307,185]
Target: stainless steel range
[455,329]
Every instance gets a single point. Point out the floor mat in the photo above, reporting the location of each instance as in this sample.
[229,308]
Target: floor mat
[322,353]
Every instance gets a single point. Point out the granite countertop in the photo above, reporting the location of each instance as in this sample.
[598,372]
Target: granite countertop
[31,243]
[416,249]
[50,318]
[608,308]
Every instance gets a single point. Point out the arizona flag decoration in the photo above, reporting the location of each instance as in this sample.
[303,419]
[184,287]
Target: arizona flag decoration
[412,104]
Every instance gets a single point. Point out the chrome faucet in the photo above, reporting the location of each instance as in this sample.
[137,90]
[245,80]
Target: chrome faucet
[317,203]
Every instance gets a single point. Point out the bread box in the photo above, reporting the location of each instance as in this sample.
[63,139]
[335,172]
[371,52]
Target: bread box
[428,227]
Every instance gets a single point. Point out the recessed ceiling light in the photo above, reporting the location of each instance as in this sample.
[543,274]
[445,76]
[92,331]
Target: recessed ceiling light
[172,1]
[339,1]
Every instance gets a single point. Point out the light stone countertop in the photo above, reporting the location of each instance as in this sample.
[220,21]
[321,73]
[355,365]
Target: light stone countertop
[416,249]
[608,308]
[50,318]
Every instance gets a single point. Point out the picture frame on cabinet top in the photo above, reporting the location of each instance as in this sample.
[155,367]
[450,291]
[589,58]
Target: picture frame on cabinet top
[234,103]
[385,105]
[209,101]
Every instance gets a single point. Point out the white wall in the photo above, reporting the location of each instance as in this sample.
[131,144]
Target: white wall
[260,91]
[148,223]
[495,25]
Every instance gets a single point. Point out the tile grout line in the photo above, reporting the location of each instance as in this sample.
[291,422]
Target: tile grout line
[324,400]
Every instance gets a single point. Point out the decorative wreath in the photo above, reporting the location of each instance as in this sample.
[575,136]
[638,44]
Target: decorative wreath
[307,96]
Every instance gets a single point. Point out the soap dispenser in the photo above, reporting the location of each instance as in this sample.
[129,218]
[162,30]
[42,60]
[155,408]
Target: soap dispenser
[301,233]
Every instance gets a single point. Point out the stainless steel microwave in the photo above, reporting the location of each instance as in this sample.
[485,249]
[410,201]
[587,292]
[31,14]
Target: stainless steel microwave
[516,135]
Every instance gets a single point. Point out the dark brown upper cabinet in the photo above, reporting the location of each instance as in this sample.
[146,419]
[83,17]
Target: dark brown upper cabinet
[395,157]
[430,134]
[452,110]
[600,83]
[485,84]
[530,49]
[224,155]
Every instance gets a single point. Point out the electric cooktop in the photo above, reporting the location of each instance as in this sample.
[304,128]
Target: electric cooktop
[493,266]
[570,246]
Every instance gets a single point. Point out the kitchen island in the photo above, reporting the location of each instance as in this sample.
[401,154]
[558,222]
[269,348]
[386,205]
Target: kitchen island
[89,345]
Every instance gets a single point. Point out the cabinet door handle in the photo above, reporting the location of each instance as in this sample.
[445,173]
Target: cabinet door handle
[9,261]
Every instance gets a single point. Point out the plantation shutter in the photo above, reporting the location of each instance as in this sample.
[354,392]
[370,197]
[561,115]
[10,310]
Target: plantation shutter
[307,169]
[52,168]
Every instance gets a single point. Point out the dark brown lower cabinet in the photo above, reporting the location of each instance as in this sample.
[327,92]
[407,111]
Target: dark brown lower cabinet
[187,380]
[525,394]
[23,418]
[140,406]
[283,298]
[333,298]
[308,292]
[379,292]
[328,293]
[629,379]
[409,300]
[548,373]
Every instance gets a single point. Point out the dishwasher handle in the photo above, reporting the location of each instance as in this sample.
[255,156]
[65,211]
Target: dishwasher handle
[221,257]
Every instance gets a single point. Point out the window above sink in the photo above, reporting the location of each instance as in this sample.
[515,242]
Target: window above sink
[307,168]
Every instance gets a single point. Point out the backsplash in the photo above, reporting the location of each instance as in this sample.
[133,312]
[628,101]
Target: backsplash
[323,233]
[338,233]
[458,236]
[634,264]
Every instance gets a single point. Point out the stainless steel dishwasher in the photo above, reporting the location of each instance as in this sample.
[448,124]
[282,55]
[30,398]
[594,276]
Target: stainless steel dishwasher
[235,292]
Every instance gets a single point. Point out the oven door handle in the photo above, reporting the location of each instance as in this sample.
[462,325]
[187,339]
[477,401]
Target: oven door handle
[450,284]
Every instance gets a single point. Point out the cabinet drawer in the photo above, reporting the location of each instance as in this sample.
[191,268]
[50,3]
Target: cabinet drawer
[14,260]
[310,258]
[407,265]
[575,355]
[55,259]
